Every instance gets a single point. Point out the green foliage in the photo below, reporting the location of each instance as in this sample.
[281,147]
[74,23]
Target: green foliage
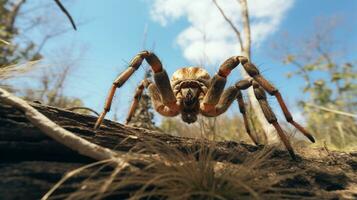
[330,82]
[336,90]
[338,86]
[14,50]
[11,52]
[331,129]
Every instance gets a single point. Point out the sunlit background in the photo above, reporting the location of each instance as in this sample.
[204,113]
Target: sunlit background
[182,33]
[306,48]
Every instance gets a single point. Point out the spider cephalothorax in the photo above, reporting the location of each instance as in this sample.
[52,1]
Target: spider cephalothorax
[192,91]
[189,86]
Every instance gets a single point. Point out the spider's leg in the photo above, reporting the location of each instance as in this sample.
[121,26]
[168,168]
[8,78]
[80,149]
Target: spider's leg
[160,76]
[243,112]
[158,102]
[217,84]
[243,85]
[226,99]
[253,71]
[155,98]
[270,116]
[137,96]
[215,103]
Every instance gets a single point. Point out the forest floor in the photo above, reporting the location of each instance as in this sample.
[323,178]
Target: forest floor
[31,163]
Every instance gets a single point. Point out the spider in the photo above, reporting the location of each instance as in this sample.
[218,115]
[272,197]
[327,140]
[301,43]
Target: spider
[192,91]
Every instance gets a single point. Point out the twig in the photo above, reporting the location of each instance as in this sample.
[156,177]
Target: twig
[5,42]
[326,148]
[10,23]
[231,24]
[64,10]
[83,108]
[331,110]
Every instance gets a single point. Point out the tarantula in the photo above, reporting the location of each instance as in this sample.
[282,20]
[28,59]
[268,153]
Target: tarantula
[192,91]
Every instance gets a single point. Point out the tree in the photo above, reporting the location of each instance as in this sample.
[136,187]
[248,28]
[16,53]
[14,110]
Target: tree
[10,52]
[16,23]
[245,49]
[330,82]
[50,82]
[11,12]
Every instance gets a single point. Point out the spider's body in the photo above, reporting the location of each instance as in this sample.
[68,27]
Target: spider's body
[190,85]
[192,91]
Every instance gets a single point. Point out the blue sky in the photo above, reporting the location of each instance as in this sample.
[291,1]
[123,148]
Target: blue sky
[112,33]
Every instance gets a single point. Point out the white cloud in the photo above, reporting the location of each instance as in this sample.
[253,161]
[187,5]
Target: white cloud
[209,35]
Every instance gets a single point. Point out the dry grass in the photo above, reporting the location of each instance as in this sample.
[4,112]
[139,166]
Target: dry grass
[173,174]
[10,71]
[4,42]
[333,128]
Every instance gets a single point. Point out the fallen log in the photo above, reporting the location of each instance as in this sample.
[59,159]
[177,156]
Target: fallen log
[31,162]
[26,142]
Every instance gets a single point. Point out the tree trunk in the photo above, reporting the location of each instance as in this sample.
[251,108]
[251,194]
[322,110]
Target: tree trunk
[246,51]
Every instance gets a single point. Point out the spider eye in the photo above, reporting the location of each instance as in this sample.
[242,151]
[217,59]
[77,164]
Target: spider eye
[190,96]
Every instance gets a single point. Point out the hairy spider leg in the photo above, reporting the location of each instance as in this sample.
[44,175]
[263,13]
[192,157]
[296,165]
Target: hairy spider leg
[137,96]
[217,86]
[160,76]
[253,71]
[270,116]
[217,100]
[243,85]
[155,98]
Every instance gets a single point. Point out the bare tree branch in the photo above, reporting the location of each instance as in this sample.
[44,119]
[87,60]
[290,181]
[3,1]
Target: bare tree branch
[64,10]
[48,37]
[246,28]
[331,110]
[14,13]
[235,29]
[58,87]
[34,9]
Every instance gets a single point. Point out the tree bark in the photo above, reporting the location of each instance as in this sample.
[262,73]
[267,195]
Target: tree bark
[31,162]
[35,162]
[23,141]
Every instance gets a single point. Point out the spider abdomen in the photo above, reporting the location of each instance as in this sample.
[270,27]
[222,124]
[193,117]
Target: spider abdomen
[190,77]
[194,73]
